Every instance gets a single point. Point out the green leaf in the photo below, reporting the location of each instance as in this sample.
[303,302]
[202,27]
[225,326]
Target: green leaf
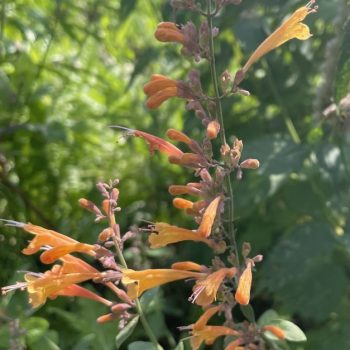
[334,334]
[267,317]
[141,345]
[126,332]
[301,276]
[248,312]
[149,299]
[36,328]
[291,331]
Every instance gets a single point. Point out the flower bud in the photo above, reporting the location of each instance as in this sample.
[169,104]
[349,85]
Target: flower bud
[225,80]
[213,129]
[90,206]
[106,318]
[176,190]
[181,203]
[106,206]
[250,164]
[105,234]
[119,308]
[246,248]
[176,135]
[276,331]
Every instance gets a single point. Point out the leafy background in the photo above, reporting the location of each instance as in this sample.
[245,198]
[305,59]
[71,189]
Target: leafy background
[70,69]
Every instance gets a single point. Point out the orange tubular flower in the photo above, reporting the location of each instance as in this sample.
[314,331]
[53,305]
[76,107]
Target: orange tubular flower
[209,334]
[158,144]
[76,291]
[235,345]
[209,215]
[50,284]
[55,253]
[242,295]
[165,234]
[205,289]
[169,32]
[61,244]
[176,135]
[160,89]
[60,280]
[139,281]
[290,29]
[155,143]
[188,266]
[191,160]
[200,332]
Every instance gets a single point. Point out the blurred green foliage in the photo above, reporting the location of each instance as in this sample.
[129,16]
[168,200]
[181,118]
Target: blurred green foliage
[70,69]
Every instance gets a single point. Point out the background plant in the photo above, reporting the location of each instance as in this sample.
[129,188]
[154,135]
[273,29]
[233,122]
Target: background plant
[68,70]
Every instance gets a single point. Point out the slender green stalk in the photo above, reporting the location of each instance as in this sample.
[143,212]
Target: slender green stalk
[232,234]
[285,115]
[143,319]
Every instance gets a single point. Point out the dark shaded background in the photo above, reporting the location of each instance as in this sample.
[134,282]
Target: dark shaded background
[70,69]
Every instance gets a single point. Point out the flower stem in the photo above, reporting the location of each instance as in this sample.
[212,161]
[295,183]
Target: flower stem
[140,312]
[231,229]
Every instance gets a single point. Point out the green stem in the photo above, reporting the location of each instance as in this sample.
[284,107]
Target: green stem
[231,229]
[285,115]
[143,319]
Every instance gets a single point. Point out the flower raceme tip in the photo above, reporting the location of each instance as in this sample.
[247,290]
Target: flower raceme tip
[291,28]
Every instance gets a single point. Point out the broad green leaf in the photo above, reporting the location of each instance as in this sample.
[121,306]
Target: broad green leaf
[267,317]
[299,276]
[149,299]
[141,345]
[126,332]
[334,334]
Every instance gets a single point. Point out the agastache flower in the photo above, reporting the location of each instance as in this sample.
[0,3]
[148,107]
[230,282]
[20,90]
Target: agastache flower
[138,282]
[164,234]
[206,289]
[169,32]
[60,280]
[242,295]
[59,244]
[161,88]
[208,218]
[202,333]
[289,29]
[155,143]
